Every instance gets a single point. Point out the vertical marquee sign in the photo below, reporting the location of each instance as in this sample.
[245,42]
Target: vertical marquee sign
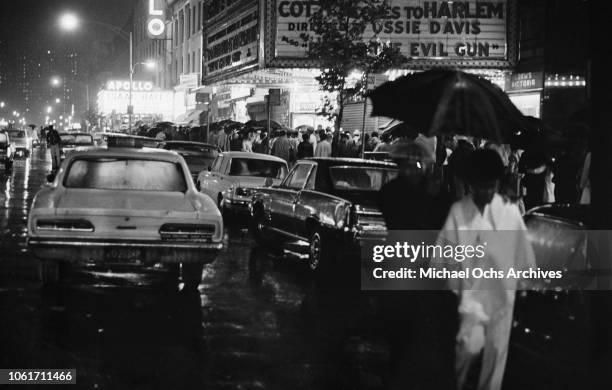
[232,38]
[156,20]
[465,33]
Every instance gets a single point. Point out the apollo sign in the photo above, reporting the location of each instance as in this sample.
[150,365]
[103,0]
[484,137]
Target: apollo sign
[156,21]
[137,86]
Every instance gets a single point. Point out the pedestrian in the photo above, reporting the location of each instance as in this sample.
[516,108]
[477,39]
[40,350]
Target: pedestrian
[355,145]
[324,147]
[373,142]
[486,304]
[421,325]
[262,145]
[55,143]
[304,149]
[247,142]
[313,137]
[282,146]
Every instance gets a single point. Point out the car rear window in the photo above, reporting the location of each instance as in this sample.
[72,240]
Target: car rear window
[17,134]
[356,178]
[257,168]
[126,174]
[81,139]
[195,154]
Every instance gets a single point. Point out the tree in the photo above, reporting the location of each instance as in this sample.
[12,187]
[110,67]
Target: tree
[341,48]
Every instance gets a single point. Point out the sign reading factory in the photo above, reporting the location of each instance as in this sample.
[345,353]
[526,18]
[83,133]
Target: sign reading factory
[452,31]
[232,42]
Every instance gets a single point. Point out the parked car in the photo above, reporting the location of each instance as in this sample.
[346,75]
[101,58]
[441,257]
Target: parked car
[234,177]
[199,156]
[7,150]
[123,206]
[22,143]
[71,141]
[551,319]
[330,203]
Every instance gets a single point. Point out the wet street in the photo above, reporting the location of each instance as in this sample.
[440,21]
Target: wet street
[259,321]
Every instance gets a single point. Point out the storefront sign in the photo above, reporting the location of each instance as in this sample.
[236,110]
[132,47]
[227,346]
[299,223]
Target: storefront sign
[527,81]
[121,85]
[156,102]
[156,21]
[452,31]
[232,43]
[187,81]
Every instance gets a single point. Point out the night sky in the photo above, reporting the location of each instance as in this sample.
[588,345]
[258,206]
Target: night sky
[31,24]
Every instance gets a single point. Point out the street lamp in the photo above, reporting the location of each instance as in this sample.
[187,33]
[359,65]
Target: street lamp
[57,100]
[49,109]
[55,81]
[2,104]
[70,22]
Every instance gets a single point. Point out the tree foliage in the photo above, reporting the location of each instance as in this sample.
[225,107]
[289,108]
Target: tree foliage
[342,43]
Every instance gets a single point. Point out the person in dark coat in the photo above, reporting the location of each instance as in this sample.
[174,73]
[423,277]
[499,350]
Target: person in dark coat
[305,149]
[421,325]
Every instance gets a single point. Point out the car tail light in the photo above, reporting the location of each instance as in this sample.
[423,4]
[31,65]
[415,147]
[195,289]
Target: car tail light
[364,219]
[71,225]
[187,232]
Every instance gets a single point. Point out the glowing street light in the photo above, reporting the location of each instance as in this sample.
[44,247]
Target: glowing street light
[55,81]
[69,21]
[2,104]
[151,65]
[57,100]
[49,109]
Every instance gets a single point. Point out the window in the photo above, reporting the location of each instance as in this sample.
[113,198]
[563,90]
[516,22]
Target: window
[310,185]
[217,164]
[257,168]
[181,28]
[126,174]
[187,22]
[298,178]
[193,21]
[188,62]
[224,165]
[356,178]
[193,62]
[200,15]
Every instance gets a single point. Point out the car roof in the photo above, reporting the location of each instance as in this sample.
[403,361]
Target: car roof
[170,143]
[148,153]
[573,213]
[351,161]
[68,133]
[256,156]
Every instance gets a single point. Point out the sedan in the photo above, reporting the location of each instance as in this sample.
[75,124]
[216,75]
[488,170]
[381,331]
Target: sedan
[21,141]
[71,141]
[199,156]
[124,206]
[234,176]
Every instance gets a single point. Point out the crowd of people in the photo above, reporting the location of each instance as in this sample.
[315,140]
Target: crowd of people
[292,145]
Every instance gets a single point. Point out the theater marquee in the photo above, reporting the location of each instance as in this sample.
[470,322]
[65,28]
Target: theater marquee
[456,33]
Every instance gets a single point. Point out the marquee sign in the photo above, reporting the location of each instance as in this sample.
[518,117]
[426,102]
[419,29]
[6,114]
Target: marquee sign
[124,85]
[155,102]
[156,20]
[458,33]
[232,43]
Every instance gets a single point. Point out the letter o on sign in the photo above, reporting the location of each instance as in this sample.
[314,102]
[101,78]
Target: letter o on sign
[156,27]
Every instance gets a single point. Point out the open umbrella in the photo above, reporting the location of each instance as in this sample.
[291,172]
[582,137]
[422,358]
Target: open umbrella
[442,101]
[264,124]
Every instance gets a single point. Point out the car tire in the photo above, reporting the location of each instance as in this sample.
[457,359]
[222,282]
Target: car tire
[320,254]
[192,275]
[50,272]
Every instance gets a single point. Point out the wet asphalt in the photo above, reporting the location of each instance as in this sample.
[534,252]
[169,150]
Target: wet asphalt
[259,320]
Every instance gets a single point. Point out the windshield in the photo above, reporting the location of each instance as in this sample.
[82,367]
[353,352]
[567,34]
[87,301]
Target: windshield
[126,174]
[77,139]
[3,138]
[355,178]
[258,168]
[195,154]
[16,134]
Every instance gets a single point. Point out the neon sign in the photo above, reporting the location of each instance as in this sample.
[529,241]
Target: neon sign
[156,25]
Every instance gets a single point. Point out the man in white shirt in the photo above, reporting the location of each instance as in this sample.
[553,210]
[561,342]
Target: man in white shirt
[486,304]
[324,148]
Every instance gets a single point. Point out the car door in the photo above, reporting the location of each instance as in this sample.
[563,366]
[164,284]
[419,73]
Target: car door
[210,181]
[282,207]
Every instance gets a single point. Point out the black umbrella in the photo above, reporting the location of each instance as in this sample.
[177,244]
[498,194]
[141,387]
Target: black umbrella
[264,124]
[449,101]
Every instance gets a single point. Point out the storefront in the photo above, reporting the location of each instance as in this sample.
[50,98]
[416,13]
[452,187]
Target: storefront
[258,44]
[525,91]
[150,104]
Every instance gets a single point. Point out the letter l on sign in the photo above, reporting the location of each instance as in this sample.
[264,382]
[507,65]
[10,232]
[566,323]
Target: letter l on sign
[153,11]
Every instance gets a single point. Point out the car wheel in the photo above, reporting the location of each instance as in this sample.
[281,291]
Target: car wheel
[50,272]
[192,275]
[320,254]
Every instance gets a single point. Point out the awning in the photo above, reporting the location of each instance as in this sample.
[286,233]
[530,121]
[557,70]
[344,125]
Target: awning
[189,118]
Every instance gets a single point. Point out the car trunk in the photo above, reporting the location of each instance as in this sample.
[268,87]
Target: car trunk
[125,214]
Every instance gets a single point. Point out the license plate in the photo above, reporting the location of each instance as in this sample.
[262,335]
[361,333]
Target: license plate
[121,254]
